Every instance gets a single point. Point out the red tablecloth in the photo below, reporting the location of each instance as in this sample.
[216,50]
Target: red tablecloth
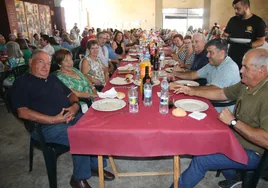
[149,133]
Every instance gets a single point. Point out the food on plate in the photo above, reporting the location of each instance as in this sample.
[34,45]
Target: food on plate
[121,95]
[178,112]
[129,76]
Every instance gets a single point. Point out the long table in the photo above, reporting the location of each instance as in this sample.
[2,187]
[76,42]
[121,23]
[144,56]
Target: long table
[149,133]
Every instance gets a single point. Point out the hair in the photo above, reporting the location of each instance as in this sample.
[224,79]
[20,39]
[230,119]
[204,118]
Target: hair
[260,59]
[117,34]
[53,41]
[244,2]
[14,48]
[23,44]
[101,33]
[178,35]
[37,51]
[45,38]
[220,44]
[201,35]
[61,54]
[65,37]
[35,35]
[92,42]
[187,37]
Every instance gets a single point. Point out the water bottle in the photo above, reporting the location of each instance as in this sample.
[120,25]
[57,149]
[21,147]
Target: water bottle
[137,72]
[147,92]
[133,100]
[164,84]
[161,61]
[163,107]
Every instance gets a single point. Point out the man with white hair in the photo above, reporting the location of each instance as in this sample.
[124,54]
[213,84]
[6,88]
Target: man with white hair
[249,121]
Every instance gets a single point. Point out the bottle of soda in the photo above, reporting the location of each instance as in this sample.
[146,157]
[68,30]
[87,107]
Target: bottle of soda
[163,107]
[133,100]
[147,88]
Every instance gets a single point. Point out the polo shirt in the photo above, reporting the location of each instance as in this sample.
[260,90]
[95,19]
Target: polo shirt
[200,60]
[46,96]
[251,108]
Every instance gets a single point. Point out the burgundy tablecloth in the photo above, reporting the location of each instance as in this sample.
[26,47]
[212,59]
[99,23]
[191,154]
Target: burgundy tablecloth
[149,133]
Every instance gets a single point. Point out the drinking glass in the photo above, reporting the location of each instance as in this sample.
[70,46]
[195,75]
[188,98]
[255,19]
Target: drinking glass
[171,101]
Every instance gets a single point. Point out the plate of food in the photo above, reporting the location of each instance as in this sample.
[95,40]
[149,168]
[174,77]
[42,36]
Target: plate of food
[107,105]
[191,105]
[169,70]
[121,81]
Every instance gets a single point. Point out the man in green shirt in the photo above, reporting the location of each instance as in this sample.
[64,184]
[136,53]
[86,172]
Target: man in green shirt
[249,120]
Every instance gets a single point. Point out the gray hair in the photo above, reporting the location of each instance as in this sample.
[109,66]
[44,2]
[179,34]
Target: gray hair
[201,35]
[37,51]
[14,49]
[260,59]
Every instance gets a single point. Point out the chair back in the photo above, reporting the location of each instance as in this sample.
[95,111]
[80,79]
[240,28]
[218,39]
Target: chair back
[222,103]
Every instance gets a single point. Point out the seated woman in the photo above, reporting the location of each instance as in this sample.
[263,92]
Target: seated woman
[178,44]
[3,47]
[66,41]
[92,67]
[27,53]
[118,44]
[54,44]
[73,78]
[186,57]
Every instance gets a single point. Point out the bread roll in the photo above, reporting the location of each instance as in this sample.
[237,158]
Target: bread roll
[129,76]
[178,112]
[120,95]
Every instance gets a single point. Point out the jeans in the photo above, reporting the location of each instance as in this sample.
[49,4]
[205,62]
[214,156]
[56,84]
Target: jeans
[201,164]
[57,133]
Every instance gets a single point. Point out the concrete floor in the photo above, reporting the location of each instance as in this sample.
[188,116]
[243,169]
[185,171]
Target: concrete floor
[14,143]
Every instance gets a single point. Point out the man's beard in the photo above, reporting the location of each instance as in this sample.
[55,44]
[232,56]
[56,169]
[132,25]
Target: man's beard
[241,16]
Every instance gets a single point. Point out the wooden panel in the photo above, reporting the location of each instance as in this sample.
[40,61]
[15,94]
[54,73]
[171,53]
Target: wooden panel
[12,18]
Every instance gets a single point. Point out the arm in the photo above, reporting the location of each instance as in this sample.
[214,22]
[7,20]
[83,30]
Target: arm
[189,75]
[83,94]
[85,68]
[211,93]
[259,42]
[256,135]
[124,49]
[114,45]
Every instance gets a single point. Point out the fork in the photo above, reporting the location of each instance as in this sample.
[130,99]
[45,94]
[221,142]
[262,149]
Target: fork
[108,115]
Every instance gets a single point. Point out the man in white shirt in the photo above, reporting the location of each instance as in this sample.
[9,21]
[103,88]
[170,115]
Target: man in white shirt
[46,45]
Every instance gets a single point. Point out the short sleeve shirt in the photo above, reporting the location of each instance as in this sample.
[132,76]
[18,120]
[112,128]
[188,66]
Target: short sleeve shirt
[251,108]
[200,60]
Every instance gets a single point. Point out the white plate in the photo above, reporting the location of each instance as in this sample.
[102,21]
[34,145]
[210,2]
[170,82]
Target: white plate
[129,59]
[132,50]
[120,81]
[169,70]
[191,105]
[107,105]
[240,40]
[124,68]
[133,54]
[138,82]
[187,82]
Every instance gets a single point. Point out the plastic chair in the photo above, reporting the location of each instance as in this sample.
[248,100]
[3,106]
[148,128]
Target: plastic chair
[222,103]
[51,151]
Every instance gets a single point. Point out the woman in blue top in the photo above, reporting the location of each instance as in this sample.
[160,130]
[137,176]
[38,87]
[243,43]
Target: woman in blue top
[66,41]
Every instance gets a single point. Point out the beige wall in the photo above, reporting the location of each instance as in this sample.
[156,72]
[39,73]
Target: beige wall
[183,3]
[221,11]
[122,14]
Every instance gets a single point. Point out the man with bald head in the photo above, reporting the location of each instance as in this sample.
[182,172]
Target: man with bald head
[43,98]
[249,121]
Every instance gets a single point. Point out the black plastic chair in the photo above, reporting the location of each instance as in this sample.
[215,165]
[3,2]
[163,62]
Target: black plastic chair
[76,63]
[222,103]
[51,151]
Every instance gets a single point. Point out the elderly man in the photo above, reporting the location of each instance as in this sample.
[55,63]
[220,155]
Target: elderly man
[44,41]
[244,25]
[249,120]
[221,71]
[43,98]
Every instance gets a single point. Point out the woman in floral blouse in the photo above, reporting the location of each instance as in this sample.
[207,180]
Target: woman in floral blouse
[72,77]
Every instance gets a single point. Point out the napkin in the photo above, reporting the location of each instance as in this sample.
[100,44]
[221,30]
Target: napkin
[197,115]
[111,93]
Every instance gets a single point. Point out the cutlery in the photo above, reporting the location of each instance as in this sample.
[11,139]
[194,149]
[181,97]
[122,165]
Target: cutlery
[108,115]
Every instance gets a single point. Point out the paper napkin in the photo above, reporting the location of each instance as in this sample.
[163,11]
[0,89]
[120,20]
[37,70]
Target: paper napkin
[197,115]
[111,93]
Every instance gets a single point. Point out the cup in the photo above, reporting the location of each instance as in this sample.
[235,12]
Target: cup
[171,101]
[155,75]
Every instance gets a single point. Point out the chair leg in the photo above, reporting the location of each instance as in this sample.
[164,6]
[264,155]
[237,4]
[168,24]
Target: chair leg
[111,159]
[51,165]
[218,173]
[31,152]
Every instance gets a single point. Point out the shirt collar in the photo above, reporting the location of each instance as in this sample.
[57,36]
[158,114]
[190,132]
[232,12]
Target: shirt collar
[258,87]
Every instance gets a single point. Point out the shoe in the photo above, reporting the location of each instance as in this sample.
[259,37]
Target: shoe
[229,183]
[79,183]
[108,176]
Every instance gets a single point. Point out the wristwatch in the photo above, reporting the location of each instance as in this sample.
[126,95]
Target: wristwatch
[233,123]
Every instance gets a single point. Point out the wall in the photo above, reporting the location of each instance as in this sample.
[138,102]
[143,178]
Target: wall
[122,14]
[222,11]
[183,3]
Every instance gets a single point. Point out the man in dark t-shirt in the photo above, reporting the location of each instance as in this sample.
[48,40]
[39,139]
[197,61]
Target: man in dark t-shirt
[43,98]
[244,25]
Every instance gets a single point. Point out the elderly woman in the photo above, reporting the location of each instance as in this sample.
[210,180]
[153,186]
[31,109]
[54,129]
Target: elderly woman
[15,55]
[186,57]
[66,41]
[27,53]
[178,44]
[118,44]
[92,67]
[72,77]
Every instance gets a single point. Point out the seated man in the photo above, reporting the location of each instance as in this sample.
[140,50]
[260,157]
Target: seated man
[46,45]
[221,71]
[249,120]
[43,98]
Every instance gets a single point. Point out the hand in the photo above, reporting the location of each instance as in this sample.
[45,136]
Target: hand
[177,68]
[175,56]
[94,95]
[97,82]
[226,116]
[61,117]
[184,89]
[71,112]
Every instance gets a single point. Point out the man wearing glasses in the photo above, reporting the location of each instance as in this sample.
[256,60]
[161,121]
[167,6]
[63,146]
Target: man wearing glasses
[245,25]
[221,71]
[249,122]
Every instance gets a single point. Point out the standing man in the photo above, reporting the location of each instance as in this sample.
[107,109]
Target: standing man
[244,25]
[249,121]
